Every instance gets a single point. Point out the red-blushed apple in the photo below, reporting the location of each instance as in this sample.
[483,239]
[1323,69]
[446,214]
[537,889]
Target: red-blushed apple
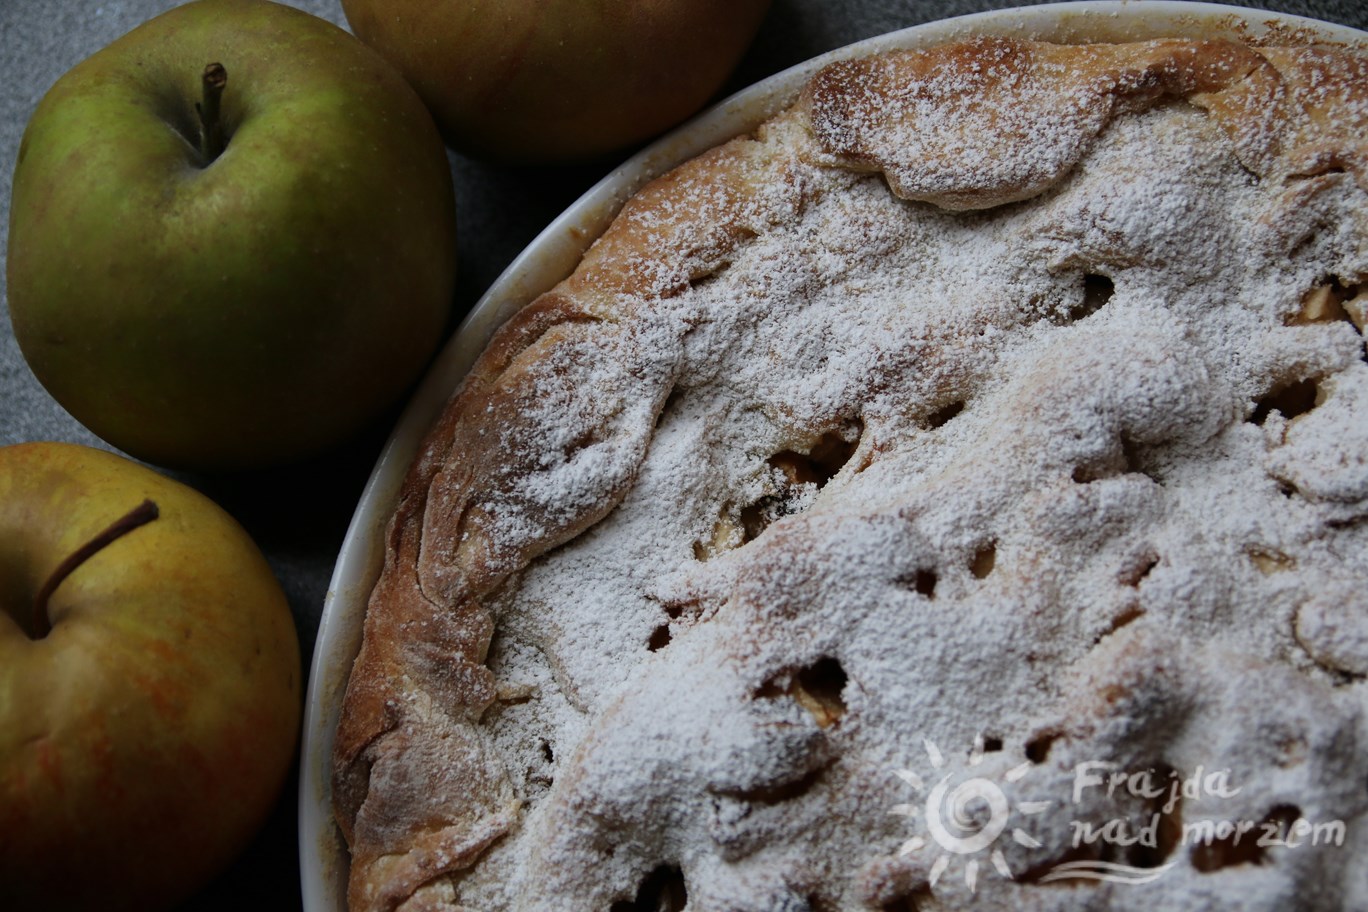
[149,684]
[556,80]
[232,237]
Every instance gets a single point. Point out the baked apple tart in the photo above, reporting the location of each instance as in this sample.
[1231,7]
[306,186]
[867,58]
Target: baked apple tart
[953,494]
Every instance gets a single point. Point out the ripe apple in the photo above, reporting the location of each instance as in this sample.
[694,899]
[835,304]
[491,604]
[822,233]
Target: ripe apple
[554,80]
[241,286]
[149,683]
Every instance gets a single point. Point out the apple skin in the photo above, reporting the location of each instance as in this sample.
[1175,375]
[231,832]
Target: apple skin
[146,737]
[558,80]
[248,312]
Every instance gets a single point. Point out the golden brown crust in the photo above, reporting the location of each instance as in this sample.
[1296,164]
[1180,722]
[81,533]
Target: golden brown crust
[993,120]
[972,125]
[418,687]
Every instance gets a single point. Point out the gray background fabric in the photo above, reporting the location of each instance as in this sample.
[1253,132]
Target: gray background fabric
[298,515]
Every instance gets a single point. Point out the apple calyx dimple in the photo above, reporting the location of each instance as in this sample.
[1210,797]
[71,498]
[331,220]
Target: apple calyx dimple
[140,515]
[211,144]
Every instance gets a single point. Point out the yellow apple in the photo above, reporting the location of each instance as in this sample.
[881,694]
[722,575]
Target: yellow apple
[554,80]
[149,684]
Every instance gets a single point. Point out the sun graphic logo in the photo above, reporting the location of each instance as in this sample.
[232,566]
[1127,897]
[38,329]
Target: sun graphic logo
[966,815]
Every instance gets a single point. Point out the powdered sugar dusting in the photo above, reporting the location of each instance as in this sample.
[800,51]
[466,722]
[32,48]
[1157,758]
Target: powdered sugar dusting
[1079,465]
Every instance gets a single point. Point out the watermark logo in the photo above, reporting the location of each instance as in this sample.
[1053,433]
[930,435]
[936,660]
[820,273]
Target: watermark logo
[1163,793]
[966,815]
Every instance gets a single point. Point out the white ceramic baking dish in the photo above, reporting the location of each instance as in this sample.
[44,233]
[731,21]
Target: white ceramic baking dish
[552,256]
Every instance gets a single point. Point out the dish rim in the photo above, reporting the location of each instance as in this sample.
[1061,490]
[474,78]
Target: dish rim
[553,254]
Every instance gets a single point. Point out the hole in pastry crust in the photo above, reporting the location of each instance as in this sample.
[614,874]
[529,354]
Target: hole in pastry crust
[1331,301]
[816,902]
[676,608]
[941,417]
[1167,834]
[992,744]
[660,638]
[794,478]
[727,533]
[1214,850]
[1097,291]
[583,441]
[1130,457]
[1165,830]
[908,902]
[983,561]
[1134,574]
[1128,462]
[1038,748]
[818,688]
[783,791]
[548,752]
[515,694]
[923,582]
[820,463]
[757,517]
[1086,474]
[1128,615]
[1292,400]
[1269,560]
[663,890]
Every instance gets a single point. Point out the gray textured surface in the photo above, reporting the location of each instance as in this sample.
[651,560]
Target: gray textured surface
[299,515]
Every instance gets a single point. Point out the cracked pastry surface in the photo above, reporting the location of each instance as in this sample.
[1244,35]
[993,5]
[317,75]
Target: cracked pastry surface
[1002,393]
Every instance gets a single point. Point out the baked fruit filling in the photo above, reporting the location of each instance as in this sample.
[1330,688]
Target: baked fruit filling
[997,413]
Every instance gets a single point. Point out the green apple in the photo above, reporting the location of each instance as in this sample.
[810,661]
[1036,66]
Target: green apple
[554,80]
[242,286]
[149,683]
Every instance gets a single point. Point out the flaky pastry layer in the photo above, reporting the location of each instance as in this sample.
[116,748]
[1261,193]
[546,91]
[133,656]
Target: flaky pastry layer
[1003,394]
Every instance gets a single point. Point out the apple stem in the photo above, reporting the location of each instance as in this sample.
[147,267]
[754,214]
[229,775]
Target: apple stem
[140,515]
[211,128]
